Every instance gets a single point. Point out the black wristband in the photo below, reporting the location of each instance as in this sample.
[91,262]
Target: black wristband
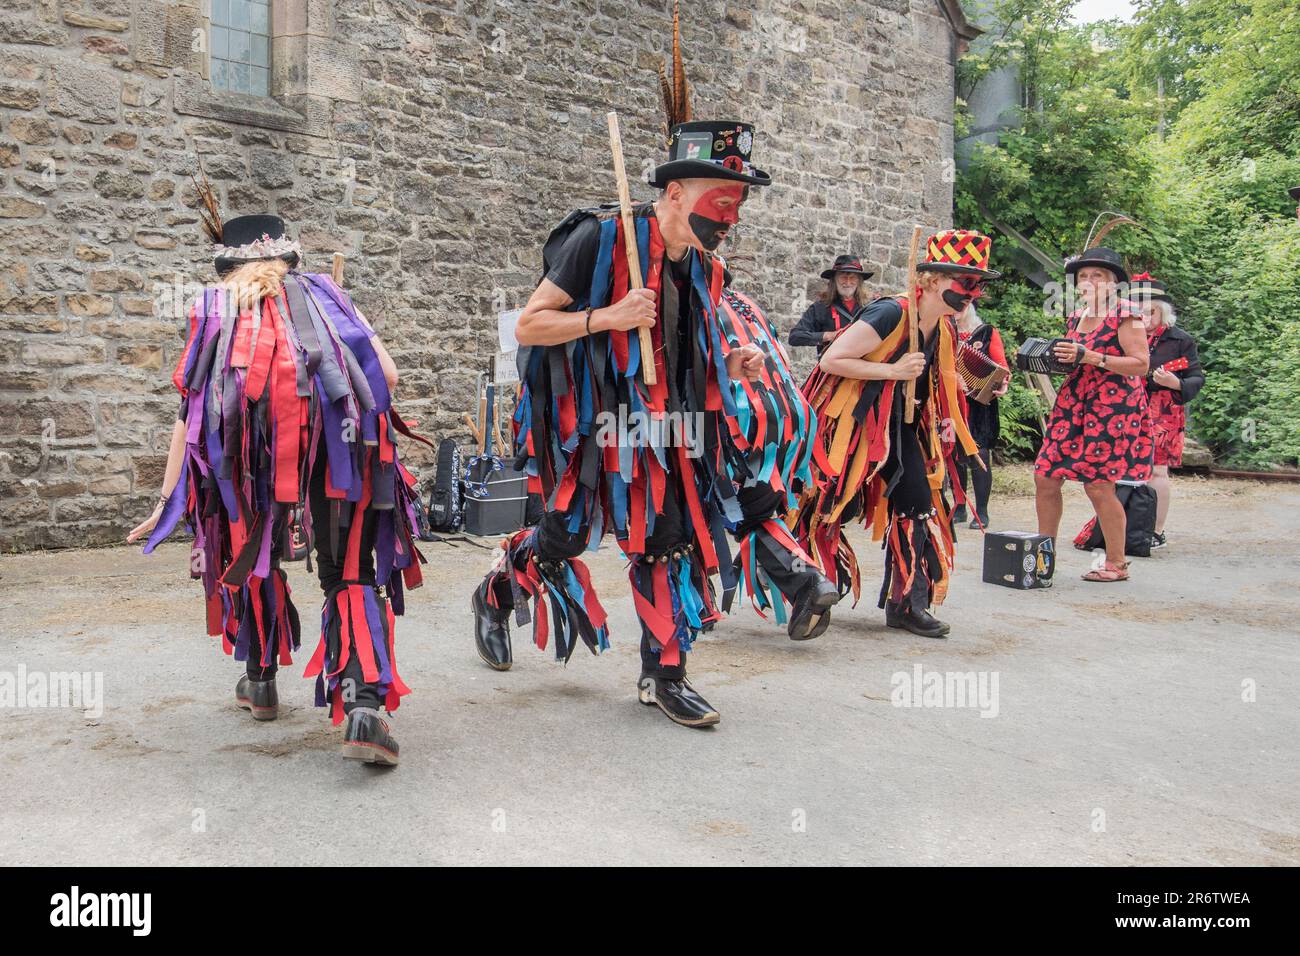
[590,309]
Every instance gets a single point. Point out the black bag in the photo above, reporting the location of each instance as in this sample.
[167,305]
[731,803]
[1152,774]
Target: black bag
[445,509]
[1139,503]
[496,496]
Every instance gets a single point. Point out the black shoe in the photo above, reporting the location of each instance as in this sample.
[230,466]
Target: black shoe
[918,622]
[959,514]
[678,700]
[1158,541]
[366,737]
[491,631]
[811,614]
[259,697]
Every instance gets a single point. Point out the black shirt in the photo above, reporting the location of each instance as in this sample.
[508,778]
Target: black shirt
[820,318]
[571,270]
[883,315]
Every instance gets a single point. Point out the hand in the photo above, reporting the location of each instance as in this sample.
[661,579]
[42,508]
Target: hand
[909,366]
[1166,378]
[635,310]
[1068,352]
[146,526]
[1002,389]
[747,360]
[827,336]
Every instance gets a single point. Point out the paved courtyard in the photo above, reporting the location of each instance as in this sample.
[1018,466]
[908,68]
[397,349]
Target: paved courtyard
[1153,721]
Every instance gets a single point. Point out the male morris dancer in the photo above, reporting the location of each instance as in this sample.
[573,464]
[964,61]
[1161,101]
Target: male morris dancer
[869,462]
[669,502]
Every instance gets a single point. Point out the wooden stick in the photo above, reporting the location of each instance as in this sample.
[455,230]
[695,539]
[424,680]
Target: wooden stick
[336,273]
[913,322]
[482,424]
[648,374]
[473,429]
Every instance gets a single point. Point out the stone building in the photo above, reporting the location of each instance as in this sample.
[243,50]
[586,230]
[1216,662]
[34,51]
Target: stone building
[433,143]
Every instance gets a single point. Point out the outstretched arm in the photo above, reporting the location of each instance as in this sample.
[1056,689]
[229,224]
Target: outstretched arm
[170,477]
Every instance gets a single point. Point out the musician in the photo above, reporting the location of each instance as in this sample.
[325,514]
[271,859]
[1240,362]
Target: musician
[844,298]
[893,479]
[974,332]
[1168,389]
[1098,431]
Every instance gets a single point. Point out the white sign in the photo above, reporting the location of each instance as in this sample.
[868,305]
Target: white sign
[507,372]
[506,322]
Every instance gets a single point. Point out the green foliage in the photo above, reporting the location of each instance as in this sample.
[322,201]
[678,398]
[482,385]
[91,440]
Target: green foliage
[1248,408]
[1204,168]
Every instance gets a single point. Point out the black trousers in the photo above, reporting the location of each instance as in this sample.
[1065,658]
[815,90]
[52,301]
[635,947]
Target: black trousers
[911,496]
[912,499]
[981,480]
[554,542]
[329,569]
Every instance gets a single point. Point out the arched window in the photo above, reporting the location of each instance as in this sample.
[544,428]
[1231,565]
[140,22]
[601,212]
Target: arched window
[241,46]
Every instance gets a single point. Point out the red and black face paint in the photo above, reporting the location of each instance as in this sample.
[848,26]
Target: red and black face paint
[962,292]
[715,212]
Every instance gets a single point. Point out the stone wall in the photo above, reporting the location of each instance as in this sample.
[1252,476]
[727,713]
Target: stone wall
[433,143]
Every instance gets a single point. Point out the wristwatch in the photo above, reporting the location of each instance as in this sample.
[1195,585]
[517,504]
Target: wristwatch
[1101,362]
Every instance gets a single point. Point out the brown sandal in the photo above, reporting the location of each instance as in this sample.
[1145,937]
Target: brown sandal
[1107,573]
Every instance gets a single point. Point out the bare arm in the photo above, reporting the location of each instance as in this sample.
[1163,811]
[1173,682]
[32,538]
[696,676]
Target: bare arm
[385,362]
[544,320]
[843,357]
[1136,359]
[171,476]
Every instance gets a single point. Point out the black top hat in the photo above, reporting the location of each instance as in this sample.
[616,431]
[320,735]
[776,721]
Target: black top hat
[1143,287]
[1295,193]
[1098,256]
[847,264]
[250,238]
[710,150]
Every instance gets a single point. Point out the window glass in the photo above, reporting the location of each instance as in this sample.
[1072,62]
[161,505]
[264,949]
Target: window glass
[241,47]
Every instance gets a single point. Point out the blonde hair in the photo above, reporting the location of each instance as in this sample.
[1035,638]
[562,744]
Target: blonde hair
[1168,317]
[256,280]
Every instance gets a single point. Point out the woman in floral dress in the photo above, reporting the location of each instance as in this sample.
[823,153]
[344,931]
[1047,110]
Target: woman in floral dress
[1099,431]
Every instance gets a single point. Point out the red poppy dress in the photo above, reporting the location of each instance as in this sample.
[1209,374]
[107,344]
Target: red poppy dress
[1099,429]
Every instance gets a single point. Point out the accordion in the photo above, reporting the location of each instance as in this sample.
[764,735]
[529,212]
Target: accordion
[1038,355]
[979,373]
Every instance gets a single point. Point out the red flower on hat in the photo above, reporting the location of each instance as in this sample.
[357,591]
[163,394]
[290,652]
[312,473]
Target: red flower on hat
[1142,277]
